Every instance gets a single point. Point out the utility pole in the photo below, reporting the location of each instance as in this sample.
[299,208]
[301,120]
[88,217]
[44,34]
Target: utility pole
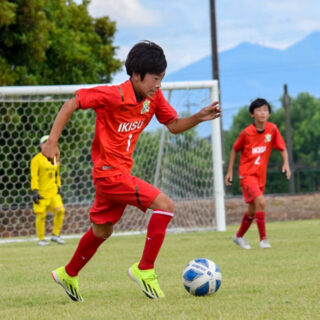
[215,61]
[214,42]
[286,105]
[217,132]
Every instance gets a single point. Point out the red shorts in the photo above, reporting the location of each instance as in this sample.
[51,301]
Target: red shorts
[114,193]
[251,189]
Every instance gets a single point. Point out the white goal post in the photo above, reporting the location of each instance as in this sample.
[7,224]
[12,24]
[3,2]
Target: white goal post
[187,167]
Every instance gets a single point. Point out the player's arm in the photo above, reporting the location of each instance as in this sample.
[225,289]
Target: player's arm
[285,165]
[34,172]
[210,112]
[58,179]
[229,176]
[50,149]
[58,176]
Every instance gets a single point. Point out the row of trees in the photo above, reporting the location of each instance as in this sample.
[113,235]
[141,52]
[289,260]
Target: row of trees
[44,42]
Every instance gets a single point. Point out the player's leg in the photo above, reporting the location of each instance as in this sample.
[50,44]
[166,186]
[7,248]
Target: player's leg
[246,220]
[40,210]
[143,272]
[162,214]
[67,276]
[88,246]
[134,191]
[40,228]
[248,191]
[57,208]
[260,216]
[103,214]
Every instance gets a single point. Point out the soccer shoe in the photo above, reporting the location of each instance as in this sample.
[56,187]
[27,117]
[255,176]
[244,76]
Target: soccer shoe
[69,284]
[147,281]
[57,239]
[264,244]
[241,242]
[43,243]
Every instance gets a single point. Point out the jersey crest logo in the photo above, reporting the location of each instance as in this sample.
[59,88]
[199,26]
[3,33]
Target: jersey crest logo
[268,137]
[146,107]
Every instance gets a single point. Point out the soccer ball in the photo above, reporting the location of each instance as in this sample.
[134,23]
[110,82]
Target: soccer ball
[201,277]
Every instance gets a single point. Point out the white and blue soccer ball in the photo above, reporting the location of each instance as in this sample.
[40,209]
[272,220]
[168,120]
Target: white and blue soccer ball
[201,277]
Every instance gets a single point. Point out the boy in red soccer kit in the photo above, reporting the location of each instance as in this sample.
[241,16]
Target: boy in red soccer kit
[122,112]
[255,144]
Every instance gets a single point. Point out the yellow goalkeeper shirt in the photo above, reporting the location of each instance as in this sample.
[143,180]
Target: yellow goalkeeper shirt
[45,176]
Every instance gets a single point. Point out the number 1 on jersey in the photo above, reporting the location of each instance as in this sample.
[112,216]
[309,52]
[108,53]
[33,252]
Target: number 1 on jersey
[129,142]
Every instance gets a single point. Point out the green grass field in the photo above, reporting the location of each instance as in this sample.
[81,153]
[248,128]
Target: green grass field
[279,283]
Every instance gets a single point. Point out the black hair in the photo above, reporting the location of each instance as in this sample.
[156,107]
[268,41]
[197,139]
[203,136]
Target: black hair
[259,102]
[146,57]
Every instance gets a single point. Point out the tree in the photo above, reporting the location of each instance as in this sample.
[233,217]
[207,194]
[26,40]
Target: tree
[45,42]
[305,117]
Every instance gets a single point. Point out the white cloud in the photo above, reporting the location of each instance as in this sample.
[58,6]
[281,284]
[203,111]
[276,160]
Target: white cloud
[127,13]
[182,28]
[272,23]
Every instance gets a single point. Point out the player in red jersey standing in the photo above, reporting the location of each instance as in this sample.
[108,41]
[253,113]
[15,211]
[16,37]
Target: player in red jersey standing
[122,112]
[255,144]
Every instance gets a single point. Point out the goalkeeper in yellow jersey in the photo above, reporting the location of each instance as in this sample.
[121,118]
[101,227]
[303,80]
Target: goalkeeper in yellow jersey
[46,195]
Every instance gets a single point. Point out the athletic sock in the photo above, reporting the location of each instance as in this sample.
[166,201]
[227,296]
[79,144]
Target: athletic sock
[87,247]
[245,224]
[261,224]
[155,235]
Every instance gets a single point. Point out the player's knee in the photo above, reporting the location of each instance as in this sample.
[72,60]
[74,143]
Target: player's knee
[40,215]
[170,205]
[103,231]
[251,213]
[60,211]
[261,205]
[167,205]
[163,202]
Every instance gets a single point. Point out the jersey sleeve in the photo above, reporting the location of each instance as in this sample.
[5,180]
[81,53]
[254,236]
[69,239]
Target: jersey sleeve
[100,96]
[240,142]
[165,113]
[34,170]
[278,142]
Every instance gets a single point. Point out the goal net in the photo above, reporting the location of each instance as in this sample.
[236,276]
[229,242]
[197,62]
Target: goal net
[187,167]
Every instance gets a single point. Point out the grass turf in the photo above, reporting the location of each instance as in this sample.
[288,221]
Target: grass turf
[277,283]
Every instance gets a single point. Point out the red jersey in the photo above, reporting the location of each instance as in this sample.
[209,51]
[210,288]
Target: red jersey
[255,150]
[120,119]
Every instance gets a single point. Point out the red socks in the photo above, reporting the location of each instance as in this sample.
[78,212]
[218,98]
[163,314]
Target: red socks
[89,244]
[155,235]
[245,225]
[87,247]
[261,224]
[260,217]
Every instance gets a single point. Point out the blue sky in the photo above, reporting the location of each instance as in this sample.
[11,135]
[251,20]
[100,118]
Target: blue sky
[182,27]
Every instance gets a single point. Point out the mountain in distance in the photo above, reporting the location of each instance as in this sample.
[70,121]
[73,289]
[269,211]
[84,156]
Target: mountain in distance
[248,71]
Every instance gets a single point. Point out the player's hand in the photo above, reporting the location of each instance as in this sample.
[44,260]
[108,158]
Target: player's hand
[286,170]
[228,179]
[210,112]
[51,151]
[36,196]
